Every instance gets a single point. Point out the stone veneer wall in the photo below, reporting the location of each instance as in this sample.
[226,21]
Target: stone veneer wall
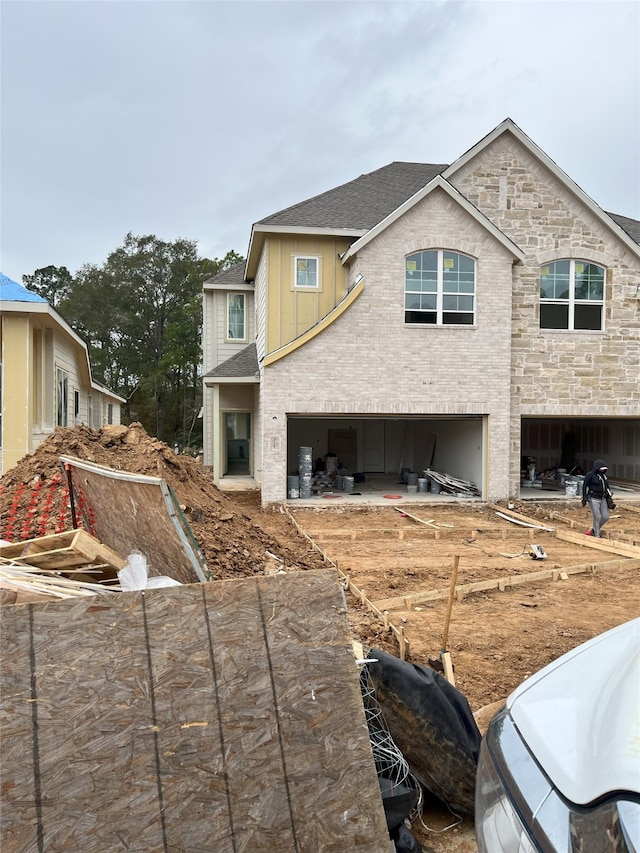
[554,372]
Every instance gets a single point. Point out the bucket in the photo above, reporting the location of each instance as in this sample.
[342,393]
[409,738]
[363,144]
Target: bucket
[293,492]
[412,479]
[571,488]
[403,474]
[436,488]
[340,482]
[305,460]
[411,489]
[423,484]
[348,484]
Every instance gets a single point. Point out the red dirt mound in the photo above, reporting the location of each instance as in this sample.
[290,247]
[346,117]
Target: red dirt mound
[34,500]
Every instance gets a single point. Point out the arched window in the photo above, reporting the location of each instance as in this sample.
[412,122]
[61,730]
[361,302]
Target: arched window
[439,288]
[571,295]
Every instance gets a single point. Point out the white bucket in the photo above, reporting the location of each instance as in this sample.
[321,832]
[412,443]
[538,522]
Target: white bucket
[294,492]
[571,488]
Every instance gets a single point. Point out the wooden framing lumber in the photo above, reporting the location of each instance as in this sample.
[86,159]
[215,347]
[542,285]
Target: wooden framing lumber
[610,545]
[62,550]
[407,602]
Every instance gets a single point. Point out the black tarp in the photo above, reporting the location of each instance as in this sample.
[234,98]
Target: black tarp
[431,723]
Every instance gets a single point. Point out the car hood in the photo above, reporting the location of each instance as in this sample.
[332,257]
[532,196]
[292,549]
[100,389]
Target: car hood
[580,716]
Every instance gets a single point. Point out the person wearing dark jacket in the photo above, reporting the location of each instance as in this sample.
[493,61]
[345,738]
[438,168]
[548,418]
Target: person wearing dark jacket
[595,491]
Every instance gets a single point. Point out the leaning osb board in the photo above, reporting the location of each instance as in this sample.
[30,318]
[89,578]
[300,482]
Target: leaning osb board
[219,717]
[133,512]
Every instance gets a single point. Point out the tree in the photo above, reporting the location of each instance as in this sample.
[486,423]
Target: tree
[52,283]
[140,314]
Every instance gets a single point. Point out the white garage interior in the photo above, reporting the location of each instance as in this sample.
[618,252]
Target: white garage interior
[380,448]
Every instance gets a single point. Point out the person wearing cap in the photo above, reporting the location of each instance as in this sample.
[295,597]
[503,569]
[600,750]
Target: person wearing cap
[595,490]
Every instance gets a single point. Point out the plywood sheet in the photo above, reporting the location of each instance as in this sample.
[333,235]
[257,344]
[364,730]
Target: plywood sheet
[214,717]
[133,512]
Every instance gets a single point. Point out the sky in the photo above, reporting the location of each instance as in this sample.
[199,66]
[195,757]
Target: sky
[195,118]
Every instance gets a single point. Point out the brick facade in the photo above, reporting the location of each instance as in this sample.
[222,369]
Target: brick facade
[504,367]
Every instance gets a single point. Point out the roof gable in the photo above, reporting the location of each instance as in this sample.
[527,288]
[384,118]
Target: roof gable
[613,223]
[437,183]
[355,208]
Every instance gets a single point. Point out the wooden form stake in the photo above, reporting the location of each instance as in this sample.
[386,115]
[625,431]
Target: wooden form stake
[445,656]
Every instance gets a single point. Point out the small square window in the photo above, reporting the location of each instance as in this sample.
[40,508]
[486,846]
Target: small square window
[306,271]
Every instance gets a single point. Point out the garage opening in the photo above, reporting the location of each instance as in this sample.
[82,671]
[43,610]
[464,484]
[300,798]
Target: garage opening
[551,448]
[379,450]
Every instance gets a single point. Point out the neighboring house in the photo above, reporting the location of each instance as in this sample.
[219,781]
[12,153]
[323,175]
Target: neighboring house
[463,317]
[45,376]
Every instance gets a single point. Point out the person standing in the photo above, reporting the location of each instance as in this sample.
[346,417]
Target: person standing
[595,492]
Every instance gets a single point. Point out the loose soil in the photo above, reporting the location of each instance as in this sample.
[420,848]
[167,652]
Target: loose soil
[496,638]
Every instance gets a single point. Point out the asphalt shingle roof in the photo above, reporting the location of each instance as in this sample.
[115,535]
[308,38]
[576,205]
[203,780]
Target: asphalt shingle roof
[233,275]
[244,363]
[631,226]
[362,203]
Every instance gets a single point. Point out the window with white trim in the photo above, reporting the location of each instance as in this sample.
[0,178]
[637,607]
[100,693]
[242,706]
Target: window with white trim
[439,288]
[236,317]
[62,398]
[306,271]
[571,295]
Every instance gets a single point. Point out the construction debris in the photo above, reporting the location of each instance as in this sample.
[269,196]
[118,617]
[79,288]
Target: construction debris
[453,485]
[34,499]
[63,550]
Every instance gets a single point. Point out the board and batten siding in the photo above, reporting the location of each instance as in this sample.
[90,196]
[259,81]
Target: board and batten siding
[292,311]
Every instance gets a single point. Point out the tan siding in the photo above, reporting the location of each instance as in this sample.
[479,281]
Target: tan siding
[260,306]
[292,311]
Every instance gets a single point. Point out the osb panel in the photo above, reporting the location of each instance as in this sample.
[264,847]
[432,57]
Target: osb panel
[127,515]
[218,717]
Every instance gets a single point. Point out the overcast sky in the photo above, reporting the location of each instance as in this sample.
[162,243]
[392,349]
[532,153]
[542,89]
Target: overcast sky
[196,119]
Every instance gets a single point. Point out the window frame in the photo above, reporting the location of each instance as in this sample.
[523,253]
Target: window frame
[306,287]
[228,301]
[62,397]
[571,301]
[440,293]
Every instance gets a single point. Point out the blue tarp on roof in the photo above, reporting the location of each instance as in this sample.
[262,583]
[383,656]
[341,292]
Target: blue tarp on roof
[11,291]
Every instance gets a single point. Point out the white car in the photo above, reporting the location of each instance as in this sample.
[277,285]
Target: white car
[559,766]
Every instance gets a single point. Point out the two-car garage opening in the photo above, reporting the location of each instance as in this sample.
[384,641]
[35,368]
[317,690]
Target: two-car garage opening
[380,448]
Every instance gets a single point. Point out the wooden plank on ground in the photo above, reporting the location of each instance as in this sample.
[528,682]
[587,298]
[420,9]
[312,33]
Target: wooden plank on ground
[220,716]
[405,602]
[610,545]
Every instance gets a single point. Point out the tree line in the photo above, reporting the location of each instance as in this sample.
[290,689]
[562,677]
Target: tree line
[140,314]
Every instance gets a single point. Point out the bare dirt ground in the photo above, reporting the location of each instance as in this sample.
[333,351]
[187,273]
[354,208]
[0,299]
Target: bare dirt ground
[496,637]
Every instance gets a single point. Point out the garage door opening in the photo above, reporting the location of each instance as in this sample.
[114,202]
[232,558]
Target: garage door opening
[554,447]
[379,450]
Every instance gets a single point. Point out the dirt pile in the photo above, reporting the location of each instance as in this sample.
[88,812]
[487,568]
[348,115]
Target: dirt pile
[34,500]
